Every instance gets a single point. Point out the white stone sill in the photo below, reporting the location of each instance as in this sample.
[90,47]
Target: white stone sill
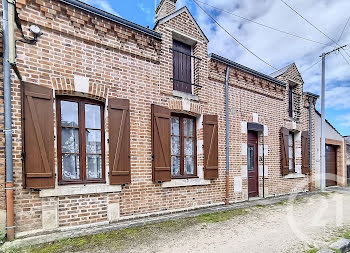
[79,190]
[185,182]
[296,175]
[185,95]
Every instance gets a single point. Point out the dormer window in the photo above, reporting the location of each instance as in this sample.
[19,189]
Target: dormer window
[182,67]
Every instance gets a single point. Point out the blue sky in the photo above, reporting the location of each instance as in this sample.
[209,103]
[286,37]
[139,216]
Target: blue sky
[276,48]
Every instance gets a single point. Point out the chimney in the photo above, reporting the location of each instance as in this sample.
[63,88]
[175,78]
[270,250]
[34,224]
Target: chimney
[165,8]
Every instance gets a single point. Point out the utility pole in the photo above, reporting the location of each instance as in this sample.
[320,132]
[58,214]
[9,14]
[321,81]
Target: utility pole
[323,118]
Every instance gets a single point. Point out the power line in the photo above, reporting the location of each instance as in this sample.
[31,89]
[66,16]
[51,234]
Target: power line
[302,72]
[266,26]
[240,43]
[343,29]
[312,25]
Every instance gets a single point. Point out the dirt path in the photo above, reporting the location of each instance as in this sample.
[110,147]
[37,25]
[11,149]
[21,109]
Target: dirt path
[284,227]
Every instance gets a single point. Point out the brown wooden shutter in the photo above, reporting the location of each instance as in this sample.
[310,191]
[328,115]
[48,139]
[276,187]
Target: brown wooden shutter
[284,151]
[305,152]
[211,149]
[119,141]
[38,137]
[161,144]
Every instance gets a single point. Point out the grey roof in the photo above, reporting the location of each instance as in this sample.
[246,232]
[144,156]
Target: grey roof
[281,71]
[98,12]
[246,69]
[310,94]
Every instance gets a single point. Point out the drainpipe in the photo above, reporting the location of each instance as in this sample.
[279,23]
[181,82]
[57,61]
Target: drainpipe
[8,126]
[311,101]
[263,158]
[227,196]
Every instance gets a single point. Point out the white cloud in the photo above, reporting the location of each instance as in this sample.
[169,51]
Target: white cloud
[148,12]
[280,49]
[103,5]
[344,120]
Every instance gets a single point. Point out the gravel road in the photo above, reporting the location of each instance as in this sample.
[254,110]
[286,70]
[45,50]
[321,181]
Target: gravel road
[285,227]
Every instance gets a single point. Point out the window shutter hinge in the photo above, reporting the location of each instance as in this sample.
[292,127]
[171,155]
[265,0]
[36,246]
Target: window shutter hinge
[23,155]
[54,137]
[55,175]
[108,141]
[152,158]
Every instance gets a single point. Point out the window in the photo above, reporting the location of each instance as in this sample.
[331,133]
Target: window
[291,102]
[80,140]
[183,146]
[182,67]
[291,151]
[250,158]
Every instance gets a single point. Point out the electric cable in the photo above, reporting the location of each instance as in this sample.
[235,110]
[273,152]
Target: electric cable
[312,25]
[266,26]
[240,43]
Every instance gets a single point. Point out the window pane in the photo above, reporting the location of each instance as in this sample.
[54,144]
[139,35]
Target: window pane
[93,116]
[291,165]
[70,140]
[175,145]
[290,152]
[189,165]
[189,146]
[70,167]
[94,166]
[175,165]
[175,126]
[290,139]
[93,141]
[250,158]
[69,114]
[188,127]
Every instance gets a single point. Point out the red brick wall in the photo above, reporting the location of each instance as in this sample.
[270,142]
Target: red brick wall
[123,63]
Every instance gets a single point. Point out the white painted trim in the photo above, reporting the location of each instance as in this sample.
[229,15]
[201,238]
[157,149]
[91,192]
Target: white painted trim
[185,95]
[79,190]
[244,148]
[296,175]
[185,182]
[244,127]
[178,12]
[180,36]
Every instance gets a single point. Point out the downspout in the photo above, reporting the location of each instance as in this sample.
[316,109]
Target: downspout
[227,194]
[263,160]
[8,126]
[311,101]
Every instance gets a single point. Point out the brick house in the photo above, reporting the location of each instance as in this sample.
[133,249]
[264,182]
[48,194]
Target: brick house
[120,121]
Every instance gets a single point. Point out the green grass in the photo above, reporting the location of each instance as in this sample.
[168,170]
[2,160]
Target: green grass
[116,240]
[312,250]
[346,235]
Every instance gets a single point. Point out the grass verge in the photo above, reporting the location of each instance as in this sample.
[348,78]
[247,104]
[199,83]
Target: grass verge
[119,239]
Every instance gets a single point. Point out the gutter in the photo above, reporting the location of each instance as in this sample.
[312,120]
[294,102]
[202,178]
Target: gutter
[9,188]
[246,69]
[103,14]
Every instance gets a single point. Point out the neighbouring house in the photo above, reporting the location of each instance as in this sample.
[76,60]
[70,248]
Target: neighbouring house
[335,156]
[347,141]
[116,121]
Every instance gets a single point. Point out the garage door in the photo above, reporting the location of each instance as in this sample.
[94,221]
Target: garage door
[331,165]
